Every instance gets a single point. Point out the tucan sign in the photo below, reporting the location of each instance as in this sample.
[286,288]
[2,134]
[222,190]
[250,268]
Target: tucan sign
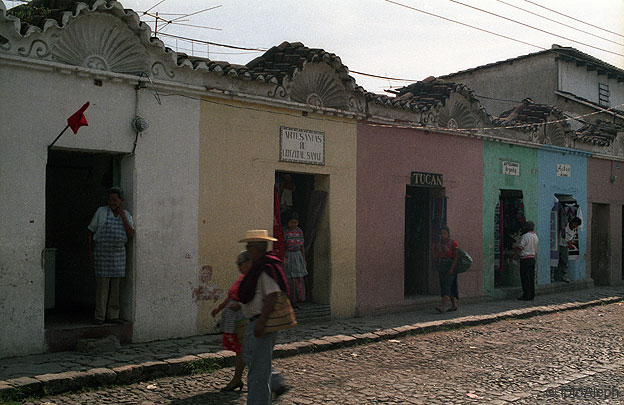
[426,179]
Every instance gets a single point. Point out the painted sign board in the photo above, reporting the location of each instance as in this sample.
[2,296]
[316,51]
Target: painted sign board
[511,168]
[426,179]
[302,146]
[564,170]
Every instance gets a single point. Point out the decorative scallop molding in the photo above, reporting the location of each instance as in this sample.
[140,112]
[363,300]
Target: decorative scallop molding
[318,85]
[101,41]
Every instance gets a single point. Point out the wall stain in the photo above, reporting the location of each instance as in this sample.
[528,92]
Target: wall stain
[207,290]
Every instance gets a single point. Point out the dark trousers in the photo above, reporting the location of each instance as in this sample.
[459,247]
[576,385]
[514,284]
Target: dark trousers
[562,266]
[527,276]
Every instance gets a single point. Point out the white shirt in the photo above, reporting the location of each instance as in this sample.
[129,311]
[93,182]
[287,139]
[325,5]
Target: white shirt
[569,236]
[266,285]
[528,245]
[99,219]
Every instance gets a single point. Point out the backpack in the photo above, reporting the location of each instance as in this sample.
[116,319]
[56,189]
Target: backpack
[463,262]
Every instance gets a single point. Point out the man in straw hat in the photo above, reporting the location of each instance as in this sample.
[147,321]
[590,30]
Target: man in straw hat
[257,293]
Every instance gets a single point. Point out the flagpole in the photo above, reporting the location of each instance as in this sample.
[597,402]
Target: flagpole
[59,135]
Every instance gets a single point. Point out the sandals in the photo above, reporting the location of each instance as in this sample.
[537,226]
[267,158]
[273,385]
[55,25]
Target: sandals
[451,309]
[440,310]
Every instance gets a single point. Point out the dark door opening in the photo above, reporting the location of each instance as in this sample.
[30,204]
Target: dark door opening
[76,185]
[600,244]
[425,212]
[298,195]
[508,221]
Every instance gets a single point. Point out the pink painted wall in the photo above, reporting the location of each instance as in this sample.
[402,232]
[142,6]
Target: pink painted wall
[601,190]
[386,157]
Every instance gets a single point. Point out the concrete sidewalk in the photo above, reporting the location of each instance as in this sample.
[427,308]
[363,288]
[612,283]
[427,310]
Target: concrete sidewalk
[52,373]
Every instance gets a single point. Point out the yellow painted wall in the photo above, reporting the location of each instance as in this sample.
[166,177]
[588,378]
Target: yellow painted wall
[239,155]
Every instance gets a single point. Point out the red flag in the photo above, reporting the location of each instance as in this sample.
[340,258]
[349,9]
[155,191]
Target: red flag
[78,119]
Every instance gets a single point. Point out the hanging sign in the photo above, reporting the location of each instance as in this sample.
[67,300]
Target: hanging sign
[302,146]
[564,170]
[426,179]
[511,168]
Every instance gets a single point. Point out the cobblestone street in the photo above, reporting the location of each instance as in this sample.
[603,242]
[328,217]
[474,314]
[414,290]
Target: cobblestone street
[570,357]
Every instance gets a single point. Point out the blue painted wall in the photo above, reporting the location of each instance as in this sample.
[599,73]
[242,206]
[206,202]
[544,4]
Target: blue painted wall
[550,184]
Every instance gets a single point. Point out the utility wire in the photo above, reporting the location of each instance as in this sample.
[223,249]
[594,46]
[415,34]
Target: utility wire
[214,43]
[464,24]
[160,2]
[558,22]
[534,28]
[572,18]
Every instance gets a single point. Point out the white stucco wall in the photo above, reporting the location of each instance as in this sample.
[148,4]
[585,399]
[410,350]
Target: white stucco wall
[583,83]
[533,77]
[160,181]
[35,105]
[166,206]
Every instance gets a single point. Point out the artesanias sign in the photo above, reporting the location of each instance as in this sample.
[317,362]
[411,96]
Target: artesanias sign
[426,179]
[302,146]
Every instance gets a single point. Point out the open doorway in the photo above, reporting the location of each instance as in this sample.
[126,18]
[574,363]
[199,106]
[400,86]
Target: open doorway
[425,213]
[304,196]
[508,221]
[600,244]
[76,185]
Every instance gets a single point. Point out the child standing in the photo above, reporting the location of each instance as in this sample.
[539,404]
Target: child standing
[294,260]
[232,314]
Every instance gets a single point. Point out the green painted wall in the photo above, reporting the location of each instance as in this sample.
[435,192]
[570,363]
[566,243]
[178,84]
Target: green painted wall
[494,154]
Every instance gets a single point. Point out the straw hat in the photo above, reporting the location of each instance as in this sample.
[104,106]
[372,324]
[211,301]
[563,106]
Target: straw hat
[257,235]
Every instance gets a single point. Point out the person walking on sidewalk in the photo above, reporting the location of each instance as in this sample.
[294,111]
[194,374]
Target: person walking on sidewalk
[527,251]
[231,315]
[109,230]
[447,256]
[257,293]
[564,249]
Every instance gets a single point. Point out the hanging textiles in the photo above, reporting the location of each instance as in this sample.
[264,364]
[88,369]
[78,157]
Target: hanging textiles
[278,247]
[554,232]
[498,243]
[315,211]
[438,217]
[567,211]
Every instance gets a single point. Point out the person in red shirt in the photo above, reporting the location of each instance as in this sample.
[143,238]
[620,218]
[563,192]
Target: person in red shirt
[446,259]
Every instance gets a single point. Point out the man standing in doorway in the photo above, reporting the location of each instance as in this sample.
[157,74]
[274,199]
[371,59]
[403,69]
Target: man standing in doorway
[527,250]
[257,293]
[109,230]
[564,249]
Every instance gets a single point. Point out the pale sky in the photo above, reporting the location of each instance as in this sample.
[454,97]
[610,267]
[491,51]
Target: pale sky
[378,37]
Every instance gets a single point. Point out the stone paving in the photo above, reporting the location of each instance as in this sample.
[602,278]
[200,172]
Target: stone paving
[570,357]
[59,372]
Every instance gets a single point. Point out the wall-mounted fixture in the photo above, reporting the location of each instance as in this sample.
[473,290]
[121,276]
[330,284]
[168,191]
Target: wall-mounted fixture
[139,124]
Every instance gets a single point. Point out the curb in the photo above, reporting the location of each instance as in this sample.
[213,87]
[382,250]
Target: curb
[50,384]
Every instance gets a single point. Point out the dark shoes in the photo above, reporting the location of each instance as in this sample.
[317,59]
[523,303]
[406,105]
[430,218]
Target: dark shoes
[281,391]
[98,322]
[232,387]
[451,309]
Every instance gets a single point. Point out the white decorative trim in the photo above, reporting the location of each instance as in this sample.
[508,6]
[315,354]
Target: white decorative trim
[101,41]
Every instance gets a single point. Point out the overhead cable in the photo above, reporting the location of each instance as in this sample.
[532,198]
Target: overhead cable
[534,28]
[558,22]
[572,18]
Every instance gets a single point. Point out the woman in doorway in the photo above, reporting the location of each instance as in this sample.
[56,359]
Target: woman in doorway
[232,315]
[294,260]
[446,255]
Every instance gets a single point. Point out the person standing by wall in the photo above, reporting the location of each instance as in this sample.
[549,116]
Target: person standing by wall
[257,293]
[564,248]
[527,251]
[109,231]
[447,256]
[294,260]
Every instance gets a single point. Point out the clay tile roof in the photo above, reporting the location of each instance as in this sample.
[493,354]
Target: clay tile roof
[600,133]
[285,59]
[527,112]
